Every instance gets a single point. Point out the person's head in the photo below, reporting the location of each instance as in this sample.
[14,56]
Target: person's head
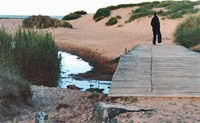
[155,14]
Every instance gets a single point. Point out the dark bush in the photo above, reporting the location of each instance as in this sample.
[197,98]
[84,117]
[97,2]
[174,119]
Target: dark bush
[81,12]
[71,16]
[66,24]
[101,13]
[118,17]
[74,15]
[113,21]
[40,22]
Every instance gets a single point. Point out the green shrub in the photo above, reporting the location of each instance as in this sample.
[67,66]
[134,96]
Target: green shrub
[74,15]
[113,21]
[162,13]
[13,88]
[34,53]
[5,42]
[71,16]
[66,24]
[105,12]
[188,32]
[101,13]
[28,55]
[142,13]
[81,12]
[176,15]
[118,17]
[40,22]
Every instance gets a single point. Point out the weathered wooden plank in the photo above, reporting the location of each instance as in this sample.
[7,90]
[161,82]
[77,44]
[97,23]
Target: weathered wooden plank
[131,78]
[158,71]
[130,90]
[131,85]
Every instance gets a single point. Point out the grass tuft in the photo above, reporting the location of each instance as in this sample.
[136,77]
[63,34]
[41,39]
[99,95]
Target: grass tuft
[37,56]
[188,32]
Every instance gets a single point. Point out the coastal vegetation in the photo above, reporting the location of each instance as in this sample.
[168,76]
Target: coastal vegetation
[188,32]
[13,88]
[171,9]
[74,15]
[26,57]
[42,22]
[105,12]
[37,56]
[113,21]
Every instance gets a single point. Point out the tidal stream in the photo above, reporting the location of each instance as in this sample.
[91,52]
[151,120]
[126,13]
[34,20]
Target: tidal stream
[71,65]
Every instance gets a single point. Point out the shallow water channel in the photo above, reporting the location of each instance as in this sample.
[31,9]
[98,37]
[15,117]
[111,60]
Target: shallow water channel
[72,64]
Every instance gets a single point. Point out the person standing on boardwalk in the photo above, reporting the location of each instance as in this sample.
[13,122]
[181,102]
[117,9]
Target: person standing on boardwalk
[155,23]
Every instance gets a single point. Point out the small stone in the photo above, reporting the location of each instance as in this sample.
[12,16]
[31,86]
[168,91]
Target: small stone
[104,112]
[129,116]
[73,87]
[41,117]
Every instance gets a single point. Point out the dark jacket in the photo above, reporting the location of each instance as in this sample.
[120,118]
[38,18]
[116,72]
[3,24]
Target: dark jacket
[155,23]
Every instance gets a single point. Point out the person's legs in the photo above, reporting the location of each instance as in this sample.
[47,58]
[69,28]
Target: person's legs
[154,37]
[159,37]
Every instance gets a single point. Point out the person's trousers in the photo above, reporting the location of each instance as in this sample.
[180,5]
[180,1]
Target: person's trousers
[155,33]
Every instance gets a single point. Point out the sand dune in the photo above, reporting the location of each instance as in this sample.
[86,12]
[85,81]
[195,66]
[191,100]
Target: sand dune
[110,41]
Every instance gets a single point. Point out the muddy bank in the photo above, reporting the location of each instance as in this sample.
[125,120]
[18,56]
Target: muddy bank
[101,70]
[62,105]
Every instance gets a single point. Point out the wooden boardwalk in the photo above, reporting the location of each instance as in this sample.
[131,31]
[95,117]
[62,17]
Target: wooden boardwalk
[157,71]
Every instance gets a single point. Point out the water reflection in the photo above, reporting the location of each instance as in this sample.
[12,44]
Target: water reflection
[71,64]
